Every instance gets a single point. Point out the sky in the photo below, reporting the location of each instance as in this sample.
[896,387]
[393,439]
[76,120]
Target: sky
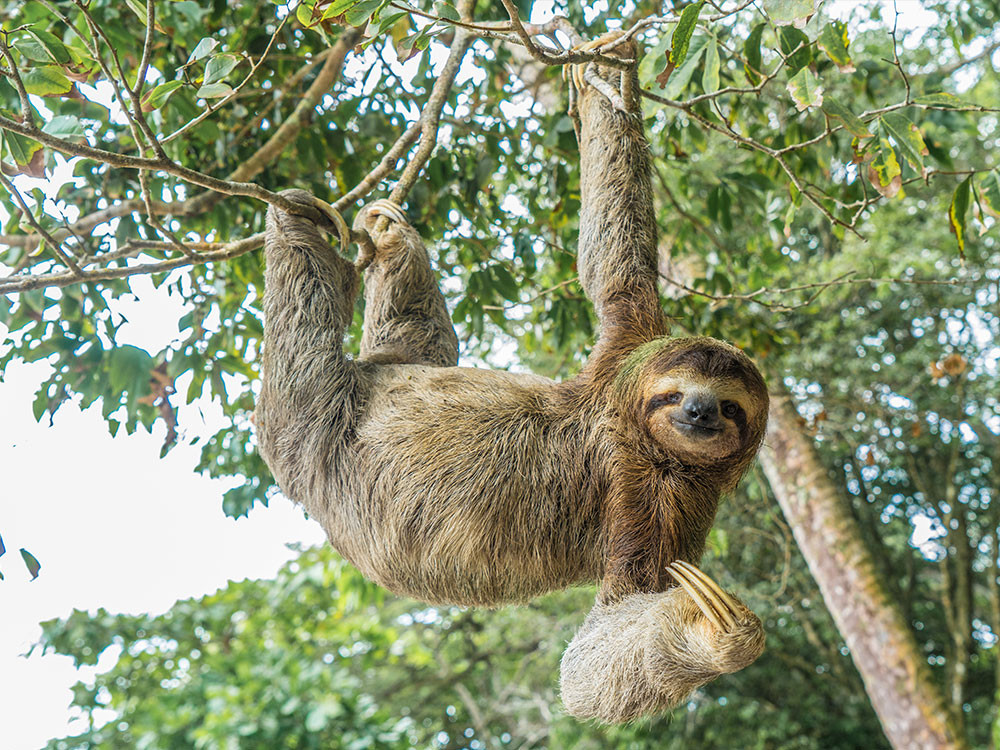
[113,526]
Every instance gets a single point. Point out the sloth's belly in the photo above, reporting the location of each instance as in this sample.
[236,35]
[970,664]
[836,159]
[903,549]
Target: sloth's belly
[466,486]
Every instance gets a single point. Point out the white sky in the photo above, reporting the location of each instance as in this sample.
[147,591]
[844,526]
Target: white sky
[113,526]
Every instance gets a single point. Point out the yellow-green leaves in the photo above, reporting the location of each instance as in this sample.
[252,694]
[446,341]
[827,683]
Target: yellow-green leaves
[753,65]
[834,42]
[989,194]
[46,81]
[907,137]
[958,210]
[805,90]
[884,172]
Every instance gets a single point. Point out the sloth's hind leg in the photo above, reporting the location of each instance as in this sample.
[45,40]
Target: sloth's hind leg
[406,319]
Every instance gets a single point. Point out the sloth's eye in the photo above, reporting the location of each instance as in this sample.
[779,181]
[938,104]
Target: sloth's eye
[674,397]
[730,409]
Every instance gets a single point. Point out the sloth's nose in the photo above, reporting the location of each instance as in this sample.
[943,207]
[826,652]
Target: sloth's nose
[702,408]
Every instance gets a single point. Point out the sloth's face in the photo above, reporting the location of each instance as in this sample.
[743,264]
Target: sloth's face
[705,404]
[699,419]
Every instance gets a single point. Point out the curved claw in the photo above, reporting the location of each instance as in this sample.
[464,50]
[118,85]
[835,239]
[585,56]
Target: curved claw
[717,606]
[343,232]
[389,209]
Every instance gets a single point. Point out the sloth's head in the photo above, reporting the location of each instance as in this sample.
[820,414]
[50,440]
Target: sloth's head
[702,401]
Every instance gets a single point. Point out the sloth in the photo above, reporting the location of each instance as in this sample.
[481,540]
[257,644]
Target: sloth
[479,487]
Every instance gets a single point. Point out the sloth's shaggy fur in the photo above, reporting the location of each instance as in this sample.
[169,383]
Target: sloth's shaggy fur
[480,487]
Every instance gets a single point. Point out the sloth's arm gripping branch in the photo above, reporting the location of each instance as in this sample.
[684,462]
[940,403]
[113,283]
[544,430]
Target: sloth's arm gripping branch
[302,411]
[617,246]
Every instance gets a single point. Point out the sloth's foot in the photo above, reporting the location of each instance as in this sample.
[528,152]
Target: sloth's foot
[320,213]
[734,636]
[367,221]
[580,75]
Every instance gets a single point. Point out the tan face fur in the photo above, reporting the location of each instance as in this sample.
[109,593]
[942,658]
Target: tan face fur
[696,418]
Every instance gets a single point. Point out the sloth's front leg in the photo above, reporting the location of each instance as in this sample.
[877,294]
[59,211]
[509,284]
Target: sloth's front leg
[646,653]
[725,638]
[620,87]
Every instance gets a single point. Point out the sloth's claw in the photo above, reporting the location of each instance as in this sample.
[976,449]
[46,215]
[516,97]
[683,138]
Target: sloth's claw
[389,209]
[717,606]
[343,232]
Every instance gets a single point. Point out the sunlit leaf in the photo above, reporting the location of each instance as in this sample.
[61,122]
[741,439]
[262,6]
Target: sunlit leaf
[158,96]
[710,74]
[907,137]
[753,67]
[21,149]
[785,12]
[219,67]
[214,91]
[46,81]
[833,40]
[989,193]
[681,39]
[805,90]
[884,172]
[202,49]
[958,210]
[795,46]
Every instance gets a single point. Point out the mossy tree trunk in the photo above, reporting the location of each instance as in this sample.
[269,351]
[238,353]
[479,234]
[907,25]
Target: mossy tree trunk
[909,705]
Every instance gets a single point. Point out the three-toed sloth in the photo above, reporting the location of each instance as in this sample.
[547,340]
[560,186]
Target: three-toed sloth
[478,487]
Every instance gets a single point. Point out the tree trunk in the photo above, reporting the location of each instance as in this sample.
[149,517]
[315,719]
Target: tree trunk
[908,704]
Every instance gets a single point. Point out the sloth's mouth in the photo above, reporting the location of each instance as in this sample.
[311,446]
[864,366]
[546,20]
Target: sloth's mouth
[696,430]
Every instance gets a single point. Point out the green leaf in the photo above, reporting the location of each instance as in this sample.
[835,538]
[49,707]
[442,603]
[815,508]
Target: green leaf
[139,9]
[31,563]
[848,119]
[942,99]
[47,81]
[907,137]
[219,67]
[214,91]
[158,96]
[447,10]
[958,210]
[785,12]
[795,46]
[202,49]
[54,49]
[883,171]
[753,67]
[989,193]
[683,31]
[504,282]
[67,127]
[21,149]
[833,40]
[361,12]
[710,73]
[336,8]
[805,90]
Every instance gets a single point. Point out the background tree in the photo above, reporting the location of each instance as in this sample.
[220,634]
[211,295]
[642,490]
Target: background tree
[821,187]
